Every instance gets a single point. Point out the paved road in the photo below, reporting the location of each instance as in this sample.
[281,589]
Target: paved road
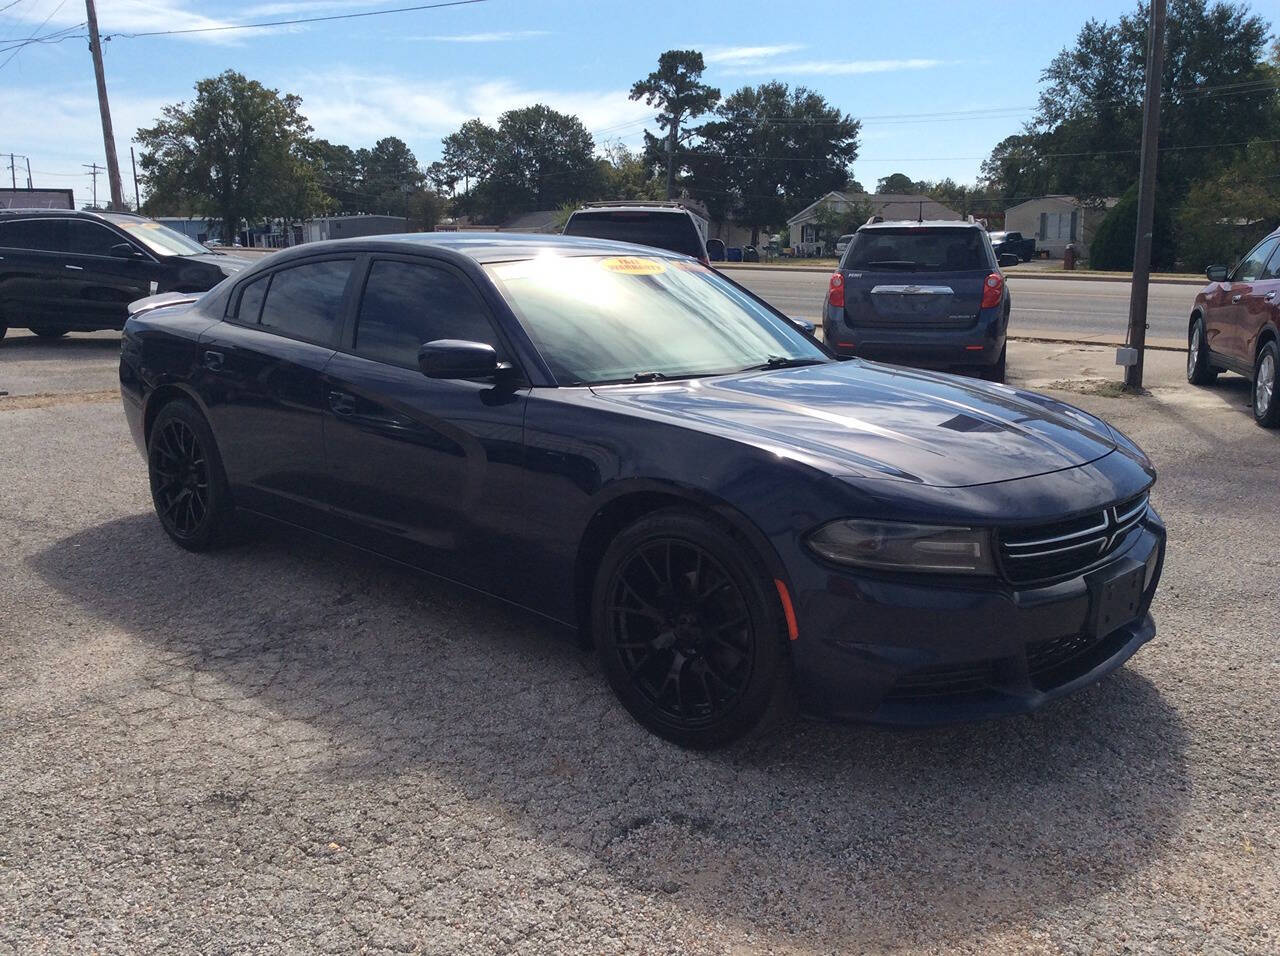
[1066,307]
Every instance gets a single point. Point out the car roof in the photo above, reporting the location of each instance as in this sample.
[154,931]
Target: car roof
[101,215]
[634,207]
[917,224]
[482,247]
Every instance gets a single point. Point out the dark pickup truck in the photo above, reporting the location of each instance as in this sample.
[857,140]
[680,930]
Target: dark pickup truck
[1014,244]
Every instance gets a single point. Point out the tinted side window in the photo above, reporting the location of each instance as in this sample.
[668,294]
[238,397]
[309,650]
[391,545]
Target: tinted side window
[1273,265]
[663,230]
[406,304]
[1255,262]
[90,239]
[306,301]
[40,235]
[249,307]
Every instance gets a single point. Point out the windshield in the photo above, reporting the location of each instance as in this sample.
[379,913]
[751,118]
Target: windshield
[664,230]
[599,319]
[918,249]
[160,239]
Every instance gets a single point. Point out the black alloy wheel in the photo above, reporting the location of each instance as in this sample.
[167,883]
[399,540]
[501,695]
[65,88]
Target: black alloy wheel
[188,488]
[687,634]
[1199,371]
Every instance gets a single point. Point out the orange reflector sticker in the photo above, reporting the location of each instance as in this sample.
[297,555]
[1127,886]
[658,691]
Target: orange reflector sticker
[788,611]
[633,266]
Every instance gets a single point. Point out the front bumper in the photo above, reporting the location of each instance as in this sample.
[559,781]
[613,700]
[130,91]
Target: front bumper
[978,344]
[911,652]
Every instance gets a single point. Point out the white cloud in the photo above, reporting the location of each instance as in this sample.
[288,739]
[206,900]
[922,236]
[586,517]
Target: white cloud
[840,67]
[498,36]
[120,16]
[359,108]
[738,55]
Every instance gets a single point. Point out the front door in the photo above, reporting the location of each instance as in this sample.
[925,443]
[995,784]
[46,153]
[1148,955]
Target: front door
[426,470]
[99,285]
[260,377]
[1231,316]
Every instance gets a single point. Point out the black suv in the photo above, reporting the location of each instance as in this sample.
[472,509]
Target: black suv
[928,294]
[63,270]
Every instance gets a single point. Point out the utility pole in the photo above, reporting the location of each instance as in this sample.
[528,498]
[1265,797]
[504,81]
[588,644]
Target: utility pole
[28,159]
[108,136]
[137,203]
[671,153]
[13,172]
[94,169]
[1137,339]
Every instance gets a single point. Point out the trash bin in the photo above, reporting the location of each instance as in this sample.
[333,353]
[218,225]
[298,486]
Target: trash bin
[1069,256]
[733,254]
[750,254]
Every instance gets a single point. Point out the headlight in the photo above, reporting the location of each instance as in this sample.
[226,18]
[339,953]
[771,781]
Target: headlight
[896,546]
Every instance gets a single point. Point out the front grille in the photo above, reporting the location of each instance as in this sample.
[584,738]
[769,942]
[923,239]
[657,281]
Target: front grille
[1064,548]
[1046,655]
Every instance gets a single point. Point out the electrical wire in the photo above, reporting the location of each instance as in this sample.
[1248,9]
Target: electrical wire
[23,46]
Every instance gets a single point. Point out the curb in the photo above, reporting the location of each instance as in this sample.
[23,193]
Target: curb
[1080,276]
[1160,345]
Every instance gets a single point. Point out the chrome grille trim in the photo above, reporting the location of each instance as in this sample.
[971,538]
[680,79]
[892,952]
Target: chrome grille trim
[1049,556]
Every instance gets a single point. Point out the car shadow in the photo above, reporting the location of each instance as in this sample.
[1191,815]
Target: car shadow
[844,836]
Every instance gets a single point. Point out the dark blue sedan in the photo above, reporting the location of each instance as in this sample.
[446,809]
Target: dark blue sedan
[627,442]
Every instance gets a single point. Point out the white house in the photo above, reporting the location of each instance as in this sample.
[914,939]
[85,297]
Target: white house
[804,224]
[1056,220]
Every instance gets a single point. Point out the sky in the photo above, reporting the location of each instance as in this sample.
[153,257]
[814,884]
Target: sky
[936,83]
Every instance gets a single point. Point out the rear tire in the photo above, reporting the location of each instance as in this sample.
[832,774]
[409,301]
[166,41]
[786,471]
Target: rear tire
[1199,371]
[47,333]
[995,373]
[1266,404]
[188,485]
[689,629]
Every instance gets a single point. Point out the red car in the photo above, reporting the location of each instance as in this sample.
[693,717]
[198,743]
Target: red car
[1235,325]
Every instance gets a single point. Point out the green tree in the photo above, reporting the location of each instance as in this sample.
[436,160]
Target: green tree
[1227,214]
[624,174]
[337,172]
[677,90]
[773,148]
[1112,244]
[536,158]
[897,183]
[1015,169]
[834,220]
[238,152]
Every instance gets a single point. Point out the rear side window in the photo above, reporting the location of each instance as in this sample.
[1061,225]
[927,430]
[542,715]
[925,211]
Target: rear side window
[38,235]
[305,302]
[91,239]
[662,230]
[407,304]
[918,250]
[250,306]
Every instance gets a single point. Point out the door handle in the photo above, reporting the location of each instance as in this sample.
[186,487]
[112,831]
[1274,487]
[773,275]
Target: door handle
[1236,298]
[76,268]
[1270,295]
[342,403]
[213,361]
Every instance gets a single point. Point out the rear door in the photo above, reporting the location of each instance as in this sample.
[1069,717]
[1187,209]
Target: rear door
[32,252]
[915,277]
[260,377]
[427,470]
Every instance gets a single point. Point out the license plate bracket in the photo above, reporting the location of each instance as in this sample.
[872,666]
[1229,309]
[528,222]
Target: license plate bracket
[1115,596]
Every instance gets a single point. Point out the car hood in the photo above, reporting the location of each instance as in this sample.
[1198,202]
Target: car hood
[228,264]
[878,421]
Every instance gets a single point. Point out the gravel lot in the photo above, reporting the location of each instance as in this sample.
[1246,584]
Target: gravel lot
[290,747]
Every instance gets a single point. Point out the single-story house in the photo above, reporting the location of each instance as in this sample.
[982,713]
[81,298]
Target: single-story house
[804,224]
[193,227]
[1056,220]
[344,227]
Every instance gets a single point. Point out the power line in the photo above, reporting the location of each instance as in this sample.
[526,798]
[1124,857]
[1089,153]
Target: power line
[33,33]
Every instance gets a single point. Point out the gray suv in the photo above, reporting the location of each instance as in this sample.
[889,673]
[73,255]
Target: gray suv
[928,294]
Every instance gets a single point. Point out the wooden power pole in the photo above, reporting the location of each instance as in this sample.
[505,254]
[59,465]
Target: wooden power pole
[1133,356]
[108,135]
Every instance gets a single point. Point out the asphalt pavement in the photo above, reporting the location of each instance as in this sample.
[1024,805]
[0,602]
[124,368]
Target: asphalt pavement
[291,747]
[1080,308]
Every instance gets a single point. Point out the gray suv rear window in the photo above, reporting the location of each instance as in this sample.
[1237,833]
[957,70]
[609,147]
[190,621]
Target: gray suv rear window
[917,249]
[663,230]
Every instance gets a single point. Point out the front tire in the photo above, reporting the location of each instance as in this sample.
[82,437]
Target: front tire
[996,372]
[188,486]
[688,629]
[1266,407]
[1199,371]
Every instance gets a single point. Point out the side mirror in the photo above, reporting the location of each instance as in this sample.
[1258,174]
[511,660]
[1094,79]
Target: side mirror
[123,250]
[453,358]
[1007,259]
[1216,273]
[804,325]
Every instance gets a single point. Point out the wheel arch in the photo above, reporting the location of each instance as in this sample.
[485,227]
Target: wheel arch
[1268,334]
[631,501]
[161,396]
[1197,314]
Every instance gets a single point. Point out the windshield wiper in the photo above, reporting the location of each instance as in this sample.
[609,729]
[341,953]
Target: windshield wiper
[647,377]
[783,361]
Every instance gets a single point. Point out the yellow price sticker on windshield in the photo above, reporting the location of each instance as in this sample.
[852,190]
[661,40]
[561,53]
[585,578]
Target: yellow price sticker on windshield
[633,266]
